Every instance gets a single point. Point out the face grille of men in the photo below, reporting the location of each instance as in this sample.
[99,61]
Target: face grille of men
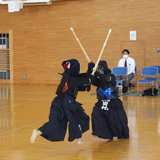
[100,70]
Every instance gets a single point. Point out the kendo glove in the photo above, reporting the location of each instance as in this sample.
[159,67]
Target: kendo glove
[90,67]
[102,77]
[84,88]
[88,87]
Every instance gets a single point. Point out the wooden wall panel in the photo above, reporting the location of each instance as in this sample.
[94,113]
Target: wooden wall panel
[42,38]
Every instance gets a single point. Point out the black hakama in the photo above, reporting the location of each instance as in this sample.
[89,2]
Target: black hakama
[63,110]
[110,123]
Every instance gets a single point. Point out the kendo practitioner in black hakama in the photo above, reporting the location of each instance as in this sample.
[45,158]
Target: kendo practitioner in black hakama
[109,118]
[64,107]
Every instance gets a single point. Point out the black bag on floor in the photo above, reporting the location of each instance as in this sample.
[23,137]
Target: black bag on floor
[131,85]
[148,92]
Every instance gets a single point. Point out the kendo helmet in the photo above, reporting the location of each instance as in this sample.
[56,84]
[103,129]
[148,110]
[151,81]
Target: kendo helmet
[71,66]
[103,67]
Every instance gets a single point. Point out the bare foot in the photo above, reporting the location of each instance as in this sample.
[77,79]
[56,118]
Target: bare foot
[80,141]
[35,134]
[91,135]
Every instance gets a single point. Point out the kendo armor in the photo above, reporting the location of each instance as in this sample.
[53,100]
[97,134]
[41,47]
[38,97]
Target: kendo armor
[107,92]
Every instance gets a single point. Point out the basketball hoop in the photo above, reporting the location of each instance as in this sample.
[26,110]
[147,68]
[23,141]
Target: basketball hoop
[16,5]
[23,1]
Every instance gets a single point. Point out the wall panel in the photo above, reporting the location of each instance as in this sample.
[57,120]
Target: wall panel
[42,38]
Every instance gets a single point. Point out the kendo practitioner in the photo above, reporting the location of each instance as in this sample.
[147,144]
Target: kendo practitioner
[64,107]
[109,119]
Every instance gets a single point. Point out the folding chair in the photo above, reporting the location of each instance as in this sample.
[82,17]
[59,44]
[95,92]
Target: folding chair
[158,80]
[120,71]
[148,71]
[157,67]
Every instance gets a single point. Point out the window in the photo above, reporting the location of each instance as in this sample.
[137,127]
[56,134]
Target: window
[4,56]
[4,41]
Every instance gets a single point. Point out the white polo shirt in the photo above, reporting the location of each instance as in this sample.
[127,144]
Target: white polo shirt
[130,64]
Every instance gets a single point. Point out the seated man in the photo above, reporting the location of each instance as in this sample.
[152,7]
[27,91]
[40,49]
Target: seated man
[128,62]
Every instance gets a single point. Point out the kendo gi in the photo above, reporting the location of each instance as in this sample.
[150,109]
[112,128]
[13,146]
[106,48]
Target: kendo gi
[64,108]
[108,116]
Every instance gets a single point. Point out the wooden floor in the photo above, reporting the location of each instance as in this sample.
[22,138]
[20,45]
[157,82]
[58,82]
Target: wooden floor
[25,107]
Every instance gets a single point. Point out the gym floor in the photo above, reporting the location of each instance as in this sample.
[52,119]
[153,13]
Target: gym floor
[26,107]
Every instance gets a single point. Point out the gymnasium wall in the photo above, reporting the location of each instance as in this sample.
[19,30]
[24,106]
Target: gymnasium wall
[42,38]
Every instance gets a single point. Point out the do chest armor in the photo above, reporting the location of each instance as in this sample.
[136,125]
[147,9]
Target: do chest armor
[107,92]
